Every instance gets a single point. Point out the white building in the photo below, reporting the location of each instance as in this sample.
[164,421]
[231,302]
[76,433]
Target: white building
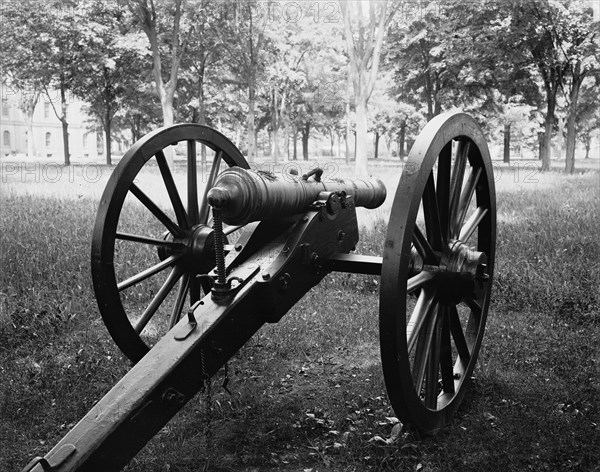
[46,129]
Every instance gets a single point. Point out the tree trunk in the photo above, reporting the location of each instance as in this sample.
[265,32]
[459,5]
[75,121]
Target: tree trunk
[429,94]
[331,141]
[168,120]
[571,119]
[269,150]
[238,135]
[361,165]
[201,111]
[507,143]
[364,54]
[137,127]
[559,153]
[551,99]
[29,109]
[274,145]
[541,142]
[437,108]
[250,123]
[401,144]
[256,142]
[30,139]
[275,123]
[63,120]
[107,126]
[295,155]
[587,141]
[287,139]
[348,126]
[376,154]
[164,91]
[305,136]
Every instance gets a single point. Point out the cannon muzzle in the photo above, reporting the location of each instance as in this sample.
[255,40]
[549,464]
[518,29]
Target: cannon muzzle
[245,195]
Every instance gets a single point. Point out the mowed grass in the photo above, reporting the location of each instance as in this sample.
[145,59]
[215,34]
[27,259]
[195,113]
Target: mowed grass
[308,393]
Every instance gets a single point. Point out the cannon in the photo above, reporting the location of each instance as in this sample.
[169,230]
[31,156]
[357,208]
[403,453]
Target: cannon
[183,287]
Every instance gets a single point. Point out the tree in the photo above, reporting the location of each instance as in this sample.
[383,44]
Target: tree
[588,112]
[168,44]
[579,44]
[364,39]
[542,28]
[40,51]
[247,43]
[204,58]
[110,63]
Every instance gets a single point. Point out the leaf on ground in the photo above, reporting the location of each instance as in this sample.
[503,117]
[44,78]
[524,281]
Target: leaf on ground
[396,430]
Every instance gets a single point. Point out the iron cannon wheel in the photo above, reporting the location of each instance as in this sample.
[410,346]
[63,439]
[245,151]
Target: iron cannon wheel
[432,321]
[152,237]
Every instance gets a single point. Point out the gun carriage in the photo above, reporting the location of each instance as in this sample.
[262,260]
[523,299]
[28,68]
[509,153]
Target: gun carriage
[436,271]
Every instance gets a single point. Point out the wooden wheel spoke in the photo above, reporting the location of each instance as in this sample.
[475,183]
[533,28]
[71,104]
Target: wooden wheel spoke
[465,200]
[433,361]
[474,305]
[471,224]
[456,181]
[157,212]
[419,281]
[432,214]
[421,313]
[458,335]
[179,300]
[443,187]
[192,183]
[446,366]
[149,272]
[424,342]
[136,238]
[158,299]
[423,247]
[167,177]
[210,183]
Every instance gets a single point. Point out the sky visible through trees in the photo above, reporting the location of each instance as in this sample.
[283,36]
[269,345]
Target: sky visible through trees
[290,74]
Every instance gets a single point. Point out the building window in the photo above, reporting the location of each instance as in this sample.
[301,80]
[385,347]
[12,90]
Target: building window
[4,107]
[48,139]
[46,109]
[85,135]
[6,139]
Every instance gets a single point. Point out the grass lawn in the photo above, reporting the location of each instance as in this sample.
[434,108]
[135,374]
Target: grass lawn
[307,393]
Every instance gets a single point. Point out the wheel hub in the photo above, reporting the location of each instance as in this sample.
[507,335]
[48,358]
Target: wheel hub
[461,259]
[200,249]
[459,267]
[197,246]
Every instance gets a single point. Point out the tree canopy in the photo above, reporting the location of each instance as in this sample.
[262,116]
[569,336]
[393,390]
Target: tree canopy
[353,72]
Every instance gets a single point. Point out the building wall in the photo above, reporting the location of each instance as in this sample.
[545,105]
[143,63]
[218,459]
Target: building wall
[47,129]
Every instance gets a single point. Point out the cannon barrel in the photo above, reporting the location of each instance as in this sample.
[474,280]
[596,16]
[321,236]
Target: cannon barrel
[245,195]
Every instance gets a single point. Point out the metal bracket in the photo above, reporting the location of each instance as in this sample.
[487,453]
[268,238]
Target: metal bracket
[189,328]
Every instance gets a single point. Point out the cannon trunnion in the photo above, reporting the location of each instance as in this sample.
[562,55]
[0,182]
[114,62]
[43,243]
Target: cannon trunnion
[187,268]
